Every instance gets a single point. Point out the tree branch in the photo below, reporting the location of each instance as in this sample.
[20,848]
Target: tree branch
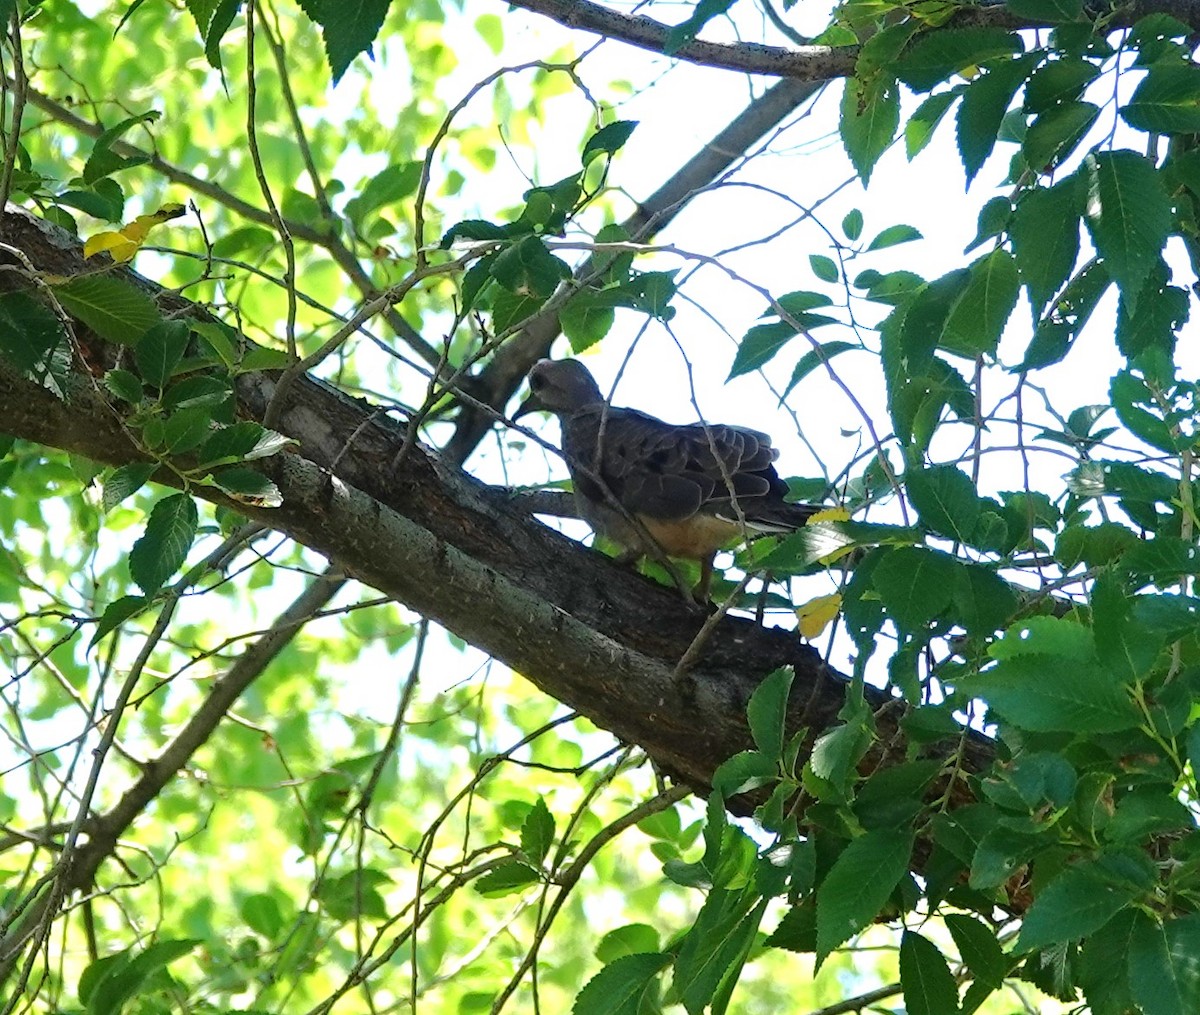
[586,631]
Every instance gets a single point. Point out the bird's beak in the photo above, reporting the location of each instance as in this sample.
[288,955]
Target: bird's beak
[531,404]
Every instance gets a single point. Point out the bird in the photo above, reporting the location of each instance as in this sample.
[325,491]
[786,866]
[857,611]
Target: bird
[657,488]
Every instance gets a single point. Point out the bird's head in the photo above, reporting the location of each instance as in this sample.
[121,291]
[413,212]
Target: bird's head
[559,386]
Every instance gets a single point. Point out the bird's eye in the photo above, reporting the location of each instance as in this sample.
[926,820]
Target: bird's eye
[537,382]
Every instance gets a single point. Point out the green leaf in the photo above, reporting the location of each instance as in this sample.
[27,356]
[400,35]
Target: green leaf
[125,482]
[1167,101]
[716,947]
[348,28]
[507,878]
[243,441]
[1046,636]
[925,977]
[622,985]
[115,979]
[1046,11]
[1132,219]
[823,267]
[977,320]
[160,350]
[587,317]
[1045,235]
[29,331]
[1164,966]
[537,832]
[608,140]
[1078,902]
[935,56]
[767,712]
[1055,134]
[1058,81]
[262,913]
[869,116]
[632,939]
[893,236]
[918,131]
[859,884]
[1068,314]
[394,183]
[978,948]
[743,772]
[1055,693]
[983,599]
[112,308]
[125,385]
[945,499]
[248,487]
[817,356]
[116,613]
[1139,410]
[1161,311]
[985,101]
[1104,963]
[915,584]
[852,224]
[704,11]
[163,547]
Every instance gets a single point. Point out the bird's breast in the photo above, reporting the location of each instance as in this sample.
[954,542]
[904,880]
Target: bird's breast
[696,537]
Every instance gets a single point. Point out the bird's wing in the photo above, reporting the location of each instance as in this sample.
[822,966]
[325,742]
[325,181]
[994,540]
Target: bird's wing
[662,471]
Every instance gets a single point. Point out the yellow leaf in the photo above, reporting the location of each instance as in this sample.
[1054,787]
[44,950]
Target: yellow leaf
[816,614]
[832,514]
[122,245]
[119,246]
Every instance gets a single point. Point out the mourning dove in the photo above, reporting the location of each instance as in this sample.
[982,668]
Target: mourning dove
[658,488]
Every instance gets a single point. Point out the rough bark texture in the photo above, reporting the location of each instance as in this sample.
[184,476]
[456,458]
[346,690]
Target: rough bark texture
[599,638]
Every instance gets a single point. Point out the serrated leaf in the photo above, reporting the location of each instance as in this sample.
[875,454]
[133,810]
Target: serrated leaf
[870,115]
[1045,235]
[1167,101]
[1058,81]
[918,130]
[977,320]
[817,356]
[978,947]
[608,140]
[125,482]
[1046,636]
[506,878]
[767,712]
[1131,220]
[981,112]
[823,267]
[29,332]
[852,224]
[893,236]
[915,584]
[1164,965]
[248,487]
[125,385]
[1056,133]
[163,546]
[1078,902]
[160,350]
[925,977]
[1081,697]
[859,884]
[112,308]
[936,56]
[587,317]
[537,832]
[349,28]
[946,500]
[115,614]
[620,987]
